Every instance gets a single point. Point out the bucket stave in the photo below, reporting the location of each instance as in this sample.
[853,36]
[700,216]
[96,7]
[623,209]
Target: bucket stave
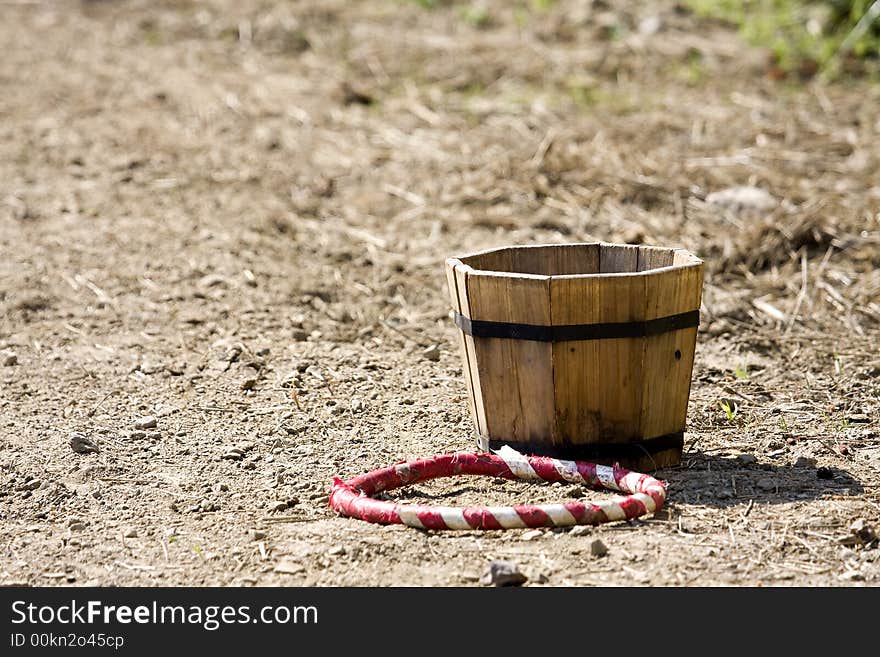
[579,351]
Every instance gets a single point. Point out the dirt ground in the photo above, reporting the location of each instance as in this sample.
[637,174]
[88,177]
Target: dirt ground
[232,216]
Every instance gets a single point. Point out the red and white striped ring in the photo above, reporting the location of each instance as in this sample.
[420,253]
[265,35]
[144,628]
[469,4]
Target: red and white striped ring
[352,498]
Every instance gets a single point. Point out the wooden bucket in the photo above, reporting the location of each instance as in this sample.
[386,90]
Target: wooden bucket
[579,351]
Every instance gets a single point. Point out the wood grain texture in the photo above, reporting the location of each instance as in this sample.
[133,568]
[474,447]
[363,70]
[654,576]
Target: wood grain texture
[653,257]
[461,274]
[516,375]
[596,381]
[618,258]
[669,358]
[540,260]
[452,286]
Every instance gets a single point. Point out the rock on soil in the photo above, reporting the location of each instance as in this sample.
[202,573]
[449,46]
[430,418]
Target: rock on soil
[598,548]
[146,422]
[8,358]
[742,200]
[504,573]
[863,531]
[286,567]
[767,484]
[82,444]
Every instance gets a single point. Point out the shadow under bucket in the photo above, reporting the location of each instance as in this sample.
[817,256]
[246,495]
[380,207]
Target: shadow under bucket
[579,351]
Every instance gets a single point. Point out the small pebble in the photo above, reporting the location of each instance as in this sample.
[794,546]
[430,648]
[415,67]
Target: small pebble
[278,506]
[146,422]
[82,444]
[650,25]
[504,573]
[531,535]
[686,526]
[356,404]
[233,455]
[256,534]
[154,435]
[77,526]
[212,280]
[747,459]
[289,568]
[137,435]
[249,383]
[175,369]
[743,200]
[804,462]
[336,550]
[131,532]
[431,353]
[579,530]
[299,335]
[824,473]
[852,576]
[31,484]
[9,358]
[863,531]
[598,548]
[575,491]
[766,484]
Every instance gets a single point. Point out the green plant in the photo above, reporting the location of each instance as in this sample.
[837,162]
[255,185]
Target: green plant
[730,409]
[742,372]
[542,5]
[476,14]
[803,35]
[426,4]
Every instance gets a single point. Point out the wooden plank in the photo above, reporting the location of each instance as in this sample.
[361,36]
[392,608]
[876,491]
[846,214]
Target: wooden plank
[539,260]
[490,260]
[576,259]
[683,257]
[598,382]
[652,257]
[452,286]
[461,274]
[669,358]
[618,258]
[516,376]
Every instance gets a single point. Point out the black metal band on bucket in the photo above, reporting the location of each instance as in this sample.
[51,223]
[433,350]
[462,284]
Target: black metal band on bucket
[483,329]
[633,450]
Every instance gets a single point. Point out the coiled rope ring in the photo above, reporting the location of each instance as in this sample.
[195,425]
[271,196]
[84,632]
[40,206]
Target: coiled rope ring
[353,497]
